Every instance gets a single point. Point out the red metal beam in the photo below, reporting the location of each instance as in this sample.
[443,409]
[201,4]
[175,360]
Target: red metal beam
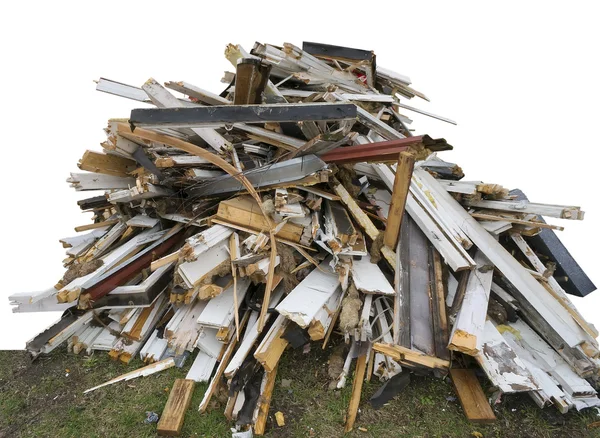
[383,150]
[127,272]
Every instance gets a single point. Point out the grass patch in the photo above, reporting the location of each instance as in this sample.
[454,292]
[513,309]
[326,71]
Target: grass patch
[40,400]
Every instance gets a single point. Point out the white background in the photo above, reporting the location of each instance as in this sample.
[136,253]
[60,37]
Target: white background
[521,79]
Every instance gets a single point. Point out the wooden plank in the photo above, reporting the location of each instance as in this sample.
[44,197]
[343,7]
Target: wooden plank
[193,273]
[551,210]
[199,94]
[406,163]
[107,164]
[438,209]
[96,225]
[421,317]
[270,279]
[471,396]
[244,211]
[264,402]
[549,392]
[219,312]
[490,217]
[305,300]
[368,277]
[173,257]
[502,366]
[171,420]
[95,181]
[321,325]
[251,76]
[271,348]
[359,378]
[547,358]
[408,357]
[401,321]
[202,367]
[467,333]
[438,306]
[234,253]
[359,215]
[180,161]
[363,220]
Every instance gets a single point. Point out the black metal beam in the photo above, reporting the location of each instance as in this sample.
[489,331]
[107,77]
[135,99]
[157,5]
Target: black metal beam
[338,52]
[568,273]
[229,114]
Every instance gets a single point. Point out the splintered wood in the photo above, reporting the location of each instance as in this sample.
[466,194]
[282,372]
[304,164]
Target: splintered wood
[296,206]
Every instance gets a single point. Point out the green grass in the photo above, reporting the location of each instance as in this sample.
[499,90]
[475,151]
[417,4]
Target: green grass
[40,400]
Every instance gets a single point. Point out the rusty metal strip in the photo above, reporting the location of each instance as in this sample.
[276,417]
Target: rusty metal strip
[384,150]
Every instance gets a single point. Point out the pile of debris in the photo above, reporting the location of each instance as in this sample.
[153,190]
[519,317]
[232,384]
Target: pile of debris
[295,206]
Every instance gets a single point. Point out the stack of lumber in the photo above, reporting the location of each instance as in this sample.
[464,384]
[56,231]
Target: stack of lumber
[298,207]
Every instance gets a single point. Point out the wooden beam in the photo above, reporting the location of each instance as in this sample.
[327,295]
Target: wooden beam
[234,253]
[244,211]
[438,306]
[251,77]
[401,320]
[171,420]
[271,348]
[106,164]
[490,217]
[551,210]
[359,378]
[173,257]
[96,225]
[270,279]
[406,163]
[408,357]
[264,402]
[471,396]
[467,332]
[204,96]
